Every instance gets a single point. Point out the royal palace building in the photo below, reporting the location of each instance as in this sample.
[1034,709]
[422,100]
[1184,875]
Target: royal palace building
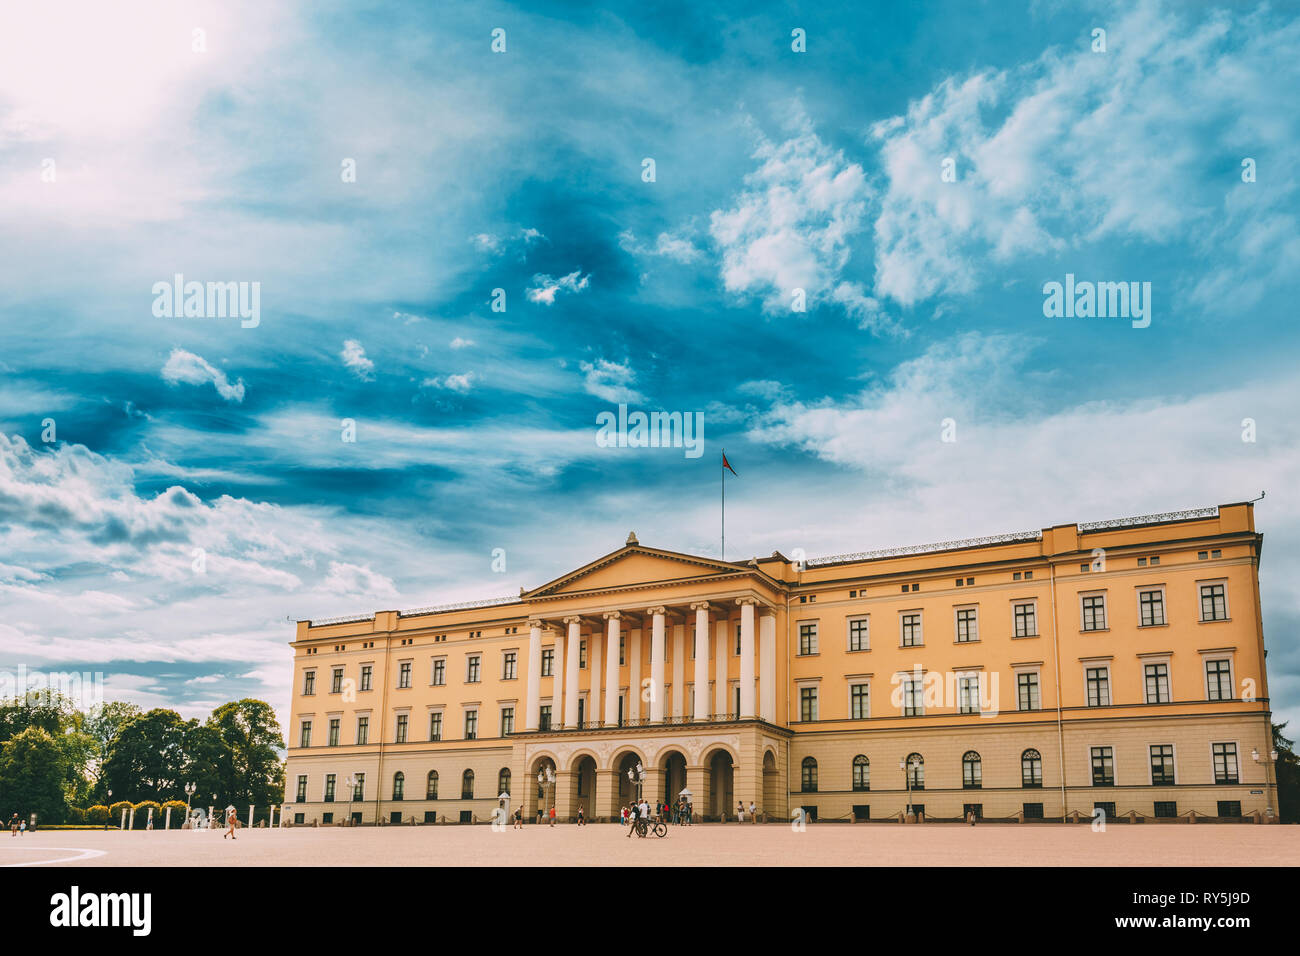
[1036,675]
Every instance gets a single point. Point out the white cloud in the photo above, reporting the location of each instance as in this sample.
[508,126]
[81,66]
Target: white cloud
[455,383]
[544,288]
[610,381]
[359,580]
[459,343]
[354,357]
[790,226]
[183,366]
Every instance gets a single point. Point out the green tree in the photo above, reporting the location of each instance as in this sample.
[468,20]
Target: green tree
[33,771]
[1288,776]
[147,757]
[252,737]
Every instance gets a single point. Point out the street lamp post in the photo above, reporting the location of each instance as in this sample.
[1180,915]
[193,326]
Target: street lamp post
[546,780]
[637,777]
[907,769]
[1268,775]
[351,784]
[110,803]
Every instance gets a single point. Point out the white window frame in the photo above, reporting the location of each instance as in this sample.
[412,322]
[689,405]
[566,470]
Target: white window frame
[1200,601]
[1164,603]
[1226,653]
[1037,670]
[956,627]
[920,626]
[1094,664]
[858,680]
[1105,611]
[799,687]
[848,633]
[816,637]
[1163,658]
[1114,760]
[1016,602]
[504,652]
[433,670]
[1213,781]
[1151,779]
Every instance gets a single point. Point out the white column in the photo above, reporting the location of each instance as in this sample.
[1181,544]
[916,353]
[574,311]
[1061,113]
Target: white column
[720,666]
[571,671]
[557,681]
[532,696]
[746,656]
[767,667]
[701,609]
[634,674]
[612,630]
[679,670]
[596,676]
[657,664]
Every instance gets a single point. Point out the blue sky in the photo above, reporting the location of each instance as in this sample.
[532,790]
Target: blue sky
[522,170]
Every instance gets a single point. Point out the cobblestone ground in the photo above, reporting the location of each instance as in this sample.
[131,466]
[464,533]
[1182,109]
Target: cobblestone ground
[711,845]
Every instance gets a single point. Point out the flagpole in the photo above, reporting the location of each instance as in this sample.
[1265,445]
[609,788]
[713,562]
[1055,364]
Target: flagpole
[722,475]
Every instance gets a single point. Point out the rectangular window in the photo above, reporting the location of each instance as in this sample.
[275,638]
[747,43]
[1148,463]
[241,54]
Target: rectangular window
[336,681]
[1103,767]
[548,662]
[1098,687]
[807,703]
[1027,692]
[304,735]
[1094,612]
[1162,763]
[859,702]
[404,674]
[309,683]
[737,652]
[1166,808]
[911,624]
[913,697]
[1213,603]
[1229,808]
[1218,680]
[367,676]
[1026,620]
[967,630]
[363,730]
[472,668]
[435,725]
[622,649]
[582,655]
[544,718]
[1152,604]
[859,636]
[507,721]
[808,638]
[968,694]
[471,725]
[1107,809]
[1033,811]
[1157,683]
[334,731]
[359,791]
[403,723]
[440,672]
[329,787]
[508,665]
[1225,763]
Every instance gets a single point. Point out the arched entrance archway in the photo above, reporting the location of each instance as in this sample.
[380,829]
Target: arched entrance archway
[583,782]
[626,786]
[674,768]
[772,803]
[721,784]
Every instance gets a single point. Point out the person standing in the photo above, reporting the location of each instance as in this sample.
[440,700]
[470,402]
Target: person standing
[13,825]
[753,812]
[631,819]
[582,821]
[552,815]
[540,810]
[740,811]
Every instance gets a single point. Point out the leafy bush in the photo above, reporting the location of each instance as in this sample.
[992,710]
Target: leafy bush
[115,812]
[178,813]
[98,814]
[75,815]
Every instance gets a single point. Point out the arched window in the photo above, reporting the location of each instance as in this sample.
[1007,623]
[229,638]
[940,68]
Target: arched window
[431,786]
[467,785]
[399,785]
[916,771]
[972,772]
[809,775]
[1031,769]
[503,780]
[861,773]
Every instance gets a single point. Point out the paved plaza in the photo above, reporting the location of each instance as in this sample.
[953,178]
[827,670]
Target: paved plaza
[709,845]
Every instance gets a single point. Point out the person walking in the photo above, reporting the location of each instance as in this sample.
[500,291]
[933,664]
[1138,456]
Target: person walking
[631,817]
[552,814]
[13,825]
[582,818]
[519,817]
[231,820]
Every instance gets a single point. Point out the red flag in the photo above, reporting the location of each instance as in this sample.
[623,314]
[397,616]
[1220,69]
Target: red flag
[727,465]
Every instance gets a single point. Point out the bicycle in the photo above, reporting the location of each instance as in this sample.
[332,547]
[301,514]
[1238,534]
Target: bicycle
[644,827]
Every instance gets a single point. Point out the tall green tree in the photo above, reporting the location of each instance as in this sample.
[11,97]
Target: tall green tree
[252,735]
[1288,776]
[147,758]
[33,775]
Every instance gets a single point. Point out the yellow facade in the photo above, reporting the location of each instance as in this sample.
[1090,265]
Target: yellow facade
[1118,664]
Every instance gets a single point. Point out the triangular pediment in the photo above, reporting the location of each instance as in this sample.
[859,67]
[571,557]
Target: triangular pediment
[635,565]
